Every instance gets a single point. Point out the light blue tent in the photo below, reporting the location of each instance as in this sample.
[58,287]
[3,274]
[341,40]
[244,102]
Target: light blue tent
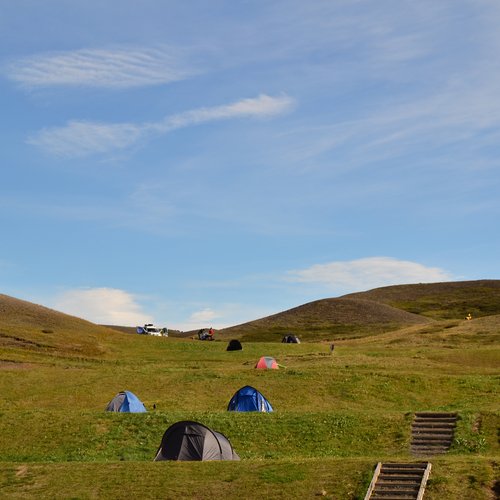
[126,402]
[249,399]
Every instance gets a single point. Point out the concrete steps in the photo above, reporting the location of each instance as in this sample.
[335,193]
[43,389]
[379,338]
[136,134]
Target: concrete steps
[432,432]
[399,481]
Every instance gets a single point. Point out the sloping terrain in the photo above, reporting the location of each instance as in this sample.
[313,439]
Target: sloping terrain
[328,318]
[446,300]
[37,328]
[451,334]
[123,329]
[336,414]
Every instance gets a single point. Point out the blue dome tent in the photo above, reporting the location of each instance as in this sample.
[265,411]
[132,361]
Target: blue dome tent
[249,399]
[126,402]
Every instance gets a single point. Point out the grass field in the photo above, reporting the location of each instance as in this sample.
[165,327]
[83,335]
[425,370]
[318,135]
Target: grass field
[335,415]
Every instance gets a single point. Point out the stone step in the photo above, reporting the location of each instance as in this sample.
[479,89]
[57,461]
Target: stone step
[395,478]
[397,489]
[435,414]
[445,441]
[392,496]
[403,466]
[430,443]
[385,485]
[442,421]
[432,423]
[406,480]
[433,431]
[431,439]
[398,481]
[428,452]
[411,494]
[432,450]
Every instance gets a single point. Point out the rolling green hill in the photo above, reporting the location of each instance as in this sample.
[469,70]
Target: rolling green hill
[39,329]
[447,300]
[375,311]
[327,319]
[336,415]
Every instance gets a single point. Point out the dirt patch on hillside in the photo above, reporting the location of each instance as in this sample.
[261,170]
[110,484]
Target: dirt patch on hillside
[7,340]
[21,470]
[15,365]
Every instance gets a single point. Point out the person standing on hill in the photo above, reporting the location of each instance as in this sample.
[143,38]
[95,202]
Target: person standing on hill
[211,333]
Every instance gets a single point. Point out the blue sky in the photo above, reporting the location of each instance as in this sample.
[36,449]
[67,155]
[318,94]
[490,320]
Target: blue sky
[208,163]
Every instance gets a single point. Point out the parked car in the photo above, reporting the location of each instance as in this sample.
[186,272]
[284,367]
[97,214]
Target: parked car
[150,329]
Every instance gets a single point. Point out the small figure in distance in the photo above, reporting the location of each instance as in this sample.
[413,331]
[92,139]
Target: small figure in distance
[211,333]
[332,347]
[468,317]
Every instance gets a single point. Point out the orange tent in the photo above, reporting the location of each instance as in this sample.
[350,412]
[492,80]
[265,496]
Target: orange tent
[266,363]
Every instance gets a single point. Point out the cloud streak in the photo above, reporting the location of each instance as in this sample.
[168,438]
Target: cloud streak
[106,68]
[367,273]
[223,316]
[82,138]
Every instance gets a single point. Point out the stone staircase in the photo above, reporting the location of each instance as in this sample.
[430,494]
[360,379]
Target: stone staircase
[399,481]
[432,433]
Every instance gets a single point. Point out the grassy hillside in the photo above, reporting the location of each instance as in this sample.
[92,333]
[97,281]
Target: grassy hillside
[375,311]
[448,300]
[326,319]
[37,329]
[335,415]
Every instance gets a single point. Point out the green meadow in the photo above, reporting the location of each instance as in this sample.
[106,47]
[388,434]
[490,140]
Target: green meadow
[336,415]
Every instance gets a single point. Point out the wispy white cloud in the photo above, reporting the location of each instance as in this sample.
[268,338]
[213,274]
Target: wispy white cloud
[222,316]
[261,106]
[367,273]
[80,138]
[456,113]
[123,67]
[204,315]
[194,320]
[109,306]
[438,66]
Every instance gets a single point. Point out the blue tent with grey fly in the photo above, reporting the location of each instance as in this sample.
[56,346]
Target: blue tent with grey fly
[126,402]
[249,399]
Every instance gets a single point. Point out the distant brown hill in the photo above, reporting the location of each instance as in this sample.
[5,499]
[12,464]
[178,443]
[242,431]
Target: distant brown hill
[27,325]
[328,319]
[31,326]
[361,314]
[445,300]
[21,313]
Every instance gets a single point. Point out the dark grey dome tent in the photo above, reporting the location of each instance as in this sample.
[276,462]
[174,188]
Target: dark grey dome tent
[234,345]
[191,441]
[290,339]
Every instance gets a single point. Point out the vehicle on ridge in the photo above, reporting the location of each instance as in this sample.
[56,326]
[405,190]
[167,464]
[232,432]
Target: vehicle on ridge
[150,329]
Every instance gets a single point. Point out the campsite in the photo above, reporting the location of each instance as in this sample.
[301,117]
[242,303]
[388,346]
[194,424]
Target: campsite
[336,414]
